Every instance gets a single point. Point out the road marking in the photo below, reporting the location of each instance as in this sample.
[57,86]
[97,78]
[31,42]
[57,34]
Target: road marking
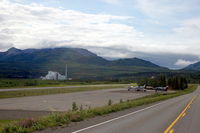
[179,116]
[183,114]
[78,131]
[171,131]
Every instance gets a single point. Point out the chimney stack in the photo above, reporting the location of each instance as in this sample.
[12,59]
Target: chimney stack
[66,71]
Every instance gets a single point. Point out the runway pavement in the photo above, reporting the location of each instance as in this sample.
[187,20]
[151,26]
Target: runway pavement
[63,102]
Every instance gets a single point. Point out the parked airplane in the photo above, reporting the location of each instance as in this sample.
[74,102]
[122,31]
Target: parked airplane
[161,88]
[137,88]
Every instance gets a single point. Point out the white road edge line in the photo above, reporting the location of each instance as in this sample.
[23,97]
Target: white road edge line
[102,123]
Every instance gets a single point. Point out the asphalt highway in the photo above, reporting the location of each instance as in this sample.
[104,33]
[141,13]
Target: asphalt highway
[190,119]
[176,115]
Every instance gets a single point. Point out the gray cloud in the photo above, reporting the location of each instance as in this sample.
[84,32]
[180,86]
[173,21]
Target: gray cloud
[184,63]
[38,26]
[4,46]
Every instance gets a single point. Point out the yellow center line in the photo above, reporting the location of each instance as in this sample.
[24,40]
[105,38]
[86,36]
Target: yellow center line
[169,129]
[184,114]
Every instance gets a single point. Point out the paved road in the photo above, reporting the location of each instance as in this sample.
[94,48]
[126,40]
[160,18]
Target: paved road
[57,87]
[178,115]
[190,120]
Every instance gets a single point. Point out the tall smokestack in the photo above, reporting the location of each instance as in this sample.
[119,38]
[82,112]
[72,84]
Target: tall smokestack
[66,72]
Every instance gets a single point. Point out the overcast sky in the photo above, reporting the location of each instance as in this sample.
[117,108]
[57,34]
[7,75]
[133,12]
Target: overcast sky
[110,28]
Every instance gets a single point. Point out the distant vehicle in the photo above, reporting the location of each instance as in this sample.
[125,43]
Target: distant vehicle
[137,88]
[161,88]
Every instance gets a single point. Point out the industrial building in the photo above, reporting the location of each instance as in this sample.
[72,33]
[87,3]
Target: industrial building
[55,75]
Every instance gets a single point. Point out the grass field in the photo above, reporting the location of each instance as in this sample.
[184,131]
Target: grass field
[61,119]
[29,83]
[23,93]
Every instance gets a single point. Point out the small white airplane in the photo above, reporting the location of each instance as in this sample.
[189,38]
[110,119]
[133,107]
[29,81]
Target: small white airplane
[161,88]
[137,88]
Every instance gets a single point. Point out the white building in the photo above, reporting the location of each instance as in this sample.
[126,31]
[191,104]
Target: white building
[54,76]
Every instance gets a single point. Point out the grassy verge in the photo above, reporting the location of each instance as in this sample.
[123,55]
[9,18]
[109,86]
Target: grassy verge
[3,123]
[30,125]
[23,93]
[59,85]
[30,83]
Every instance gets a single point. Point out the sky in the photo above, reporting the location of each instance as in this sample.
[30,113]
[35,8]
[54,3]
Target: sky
[160,29]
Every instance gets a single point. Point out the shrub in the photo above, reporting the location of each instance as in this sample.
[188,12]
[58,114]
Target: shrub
[74,106]
[109,102]
[121,101]
[81,108]
[26,123]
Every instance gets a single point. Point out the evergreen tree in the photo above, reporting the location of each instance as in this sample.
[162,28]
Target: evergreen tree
[177,83]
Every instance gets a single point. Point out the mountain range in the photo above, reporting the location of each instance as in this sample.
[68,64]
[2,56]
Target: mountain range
[34,63]
[194,67]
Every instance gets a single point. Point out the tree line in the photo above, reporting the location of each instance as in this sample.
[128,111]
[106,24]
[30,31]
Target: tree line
[176,82]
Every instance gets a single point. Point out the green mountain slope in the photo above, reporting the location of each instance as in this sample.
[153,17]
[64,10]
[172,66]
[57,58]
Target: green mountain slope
[33,63]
